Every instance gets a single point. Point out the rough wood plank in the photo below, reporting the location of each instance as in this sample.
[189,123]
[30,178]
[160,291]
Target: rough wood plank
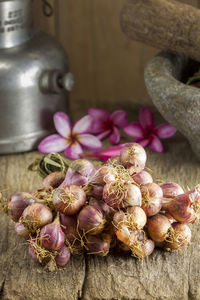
[22,278]
[163,275]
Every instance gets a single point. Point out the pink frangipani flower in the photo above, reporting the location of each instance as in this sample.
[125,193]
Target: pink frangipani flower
[146,133]
[70,139]
[105,124]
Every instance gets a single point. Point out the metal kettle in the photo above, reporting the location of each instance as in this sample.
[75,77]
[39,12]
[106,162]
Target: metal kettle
[34,79]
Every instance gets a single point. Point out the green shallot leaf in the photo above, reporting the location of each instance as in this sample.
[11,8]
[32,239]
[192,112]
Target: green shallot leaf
[50,163]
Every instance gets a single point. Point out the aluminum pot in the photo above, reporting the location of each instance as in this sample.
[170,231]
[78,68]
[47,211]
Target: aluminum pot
[34,79]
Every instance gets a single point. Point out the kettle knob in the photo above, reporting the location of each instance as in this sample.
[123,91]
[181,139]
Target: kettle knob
[54,81]
[67,81]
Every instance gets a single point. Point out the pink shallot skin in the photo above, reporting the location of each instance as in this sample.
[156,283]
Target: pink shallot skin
[152,198]
[142,177]
[181,209]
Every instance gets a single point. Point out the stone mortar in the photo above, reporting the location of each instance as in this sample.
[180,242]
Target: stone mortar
[178,103]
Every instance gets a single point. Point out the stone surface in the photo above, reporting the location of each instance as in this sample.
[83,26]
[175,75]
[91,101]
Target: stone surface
[178,103]
[162,276]
[167,25]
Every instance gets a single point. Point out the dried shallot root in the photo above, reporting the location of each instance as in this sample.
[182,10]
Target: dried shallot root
[94,209]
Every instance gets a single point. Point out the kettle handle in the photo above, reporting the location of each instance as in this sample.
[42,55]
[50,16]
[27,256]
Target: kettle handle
[54,81]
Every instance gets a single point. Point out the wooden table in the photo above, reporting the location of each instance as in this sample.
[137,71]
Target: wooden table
[161,276]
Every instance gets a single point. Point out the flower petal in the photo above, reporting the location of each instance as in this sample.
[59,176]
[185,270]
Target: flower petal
[134,129]
[73,150]
[100,119]
[164,131]
[119,117]
[104,134]
[83,125]
[62,124]
[106,153]
[53,143]
[99,114]
[156,144]
[89,142]
[143,142]
[146,118]
[115,136]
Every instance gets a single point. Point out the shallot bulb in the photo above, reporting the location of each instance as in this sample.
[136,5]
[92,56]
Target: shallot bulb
[53,180]
[158,227]
[62,257]
[91,220]
[127,224]
[184,209]
[69,199]
[79,172]
[142,249]
[69,227]
[170,190]
[178,236]
[97,245]
[151,198]
[21,231]
[133,157]
[142,177]
[122,194]
[17,203]
[33,253]
[96,191]
[36,216]
[103,174]
[101,206]
[52,236]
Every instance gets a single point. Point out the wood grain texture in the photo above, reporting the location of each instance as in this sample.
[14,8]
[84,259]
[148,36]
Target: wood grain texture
[163,275]
[20,277]
[108,67]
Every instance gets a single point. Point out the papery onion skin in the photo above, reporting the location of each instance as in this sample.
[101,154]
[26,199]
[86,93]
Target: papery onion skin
[54,180]
[69,227]
[32,253]
[170,190]
[126,236]
[103,174]
[69,199]
[63,256]
[91,220]
[130,196]
[21,231]
[170,218]
[184,236]
[142,177]
[79,172]
[52,236]
[101,206]
[136,217]
[17,203]
[133,157]
[96,191]
[97,245]
[148,247]
[158,227]
[152,198]
[181,210]
[36,216]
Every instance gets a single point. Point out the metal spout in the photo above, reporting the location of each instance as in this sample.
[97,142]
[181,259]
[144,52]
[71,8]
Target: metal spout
[15,22]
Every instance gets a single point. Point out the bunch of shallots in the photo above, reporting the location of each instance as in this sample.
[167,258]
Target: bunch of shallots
[94,209]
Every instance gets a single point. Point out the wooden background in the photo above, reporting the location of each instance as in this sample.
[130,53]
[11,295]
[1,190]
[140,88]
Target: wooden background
[108,67]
